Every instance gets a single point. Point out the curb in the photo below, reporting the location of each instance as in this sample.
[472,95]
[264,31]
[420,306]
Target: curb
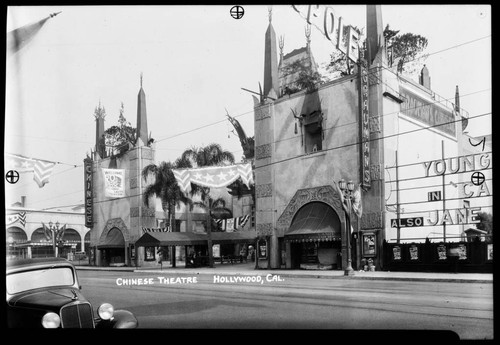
[292,275]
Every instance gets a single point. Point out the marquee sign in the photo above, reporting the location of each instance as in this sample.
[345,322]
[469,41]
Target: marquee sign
[430,114]
[89,221]
[324,18]
[407,222]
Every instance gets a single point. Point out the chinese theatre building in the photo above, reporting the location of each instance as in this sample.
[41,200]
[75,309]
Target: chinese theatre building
[113,194]
[358,128]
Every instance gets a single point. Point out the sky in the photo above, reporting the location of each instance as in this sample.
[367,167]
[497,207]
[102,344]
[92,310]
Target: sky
[195,60]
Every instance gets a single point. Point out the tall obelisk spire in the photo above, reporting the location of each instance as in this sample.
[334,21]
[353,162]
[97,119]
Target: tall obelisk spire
[270,60]
[142,118]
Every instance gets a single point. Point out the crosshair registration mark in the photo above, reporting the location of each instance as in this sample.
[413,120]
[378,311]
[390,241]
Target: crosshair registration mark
[12,176]
[237,12]
[477,178]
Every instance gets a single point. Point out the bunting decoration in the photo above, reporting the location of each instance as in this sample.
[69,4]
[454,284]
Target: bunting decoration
[17,217]
[41,169]
[357,205]
[18,38]
[233,224]
[146,230]
[213,177]
[114,183]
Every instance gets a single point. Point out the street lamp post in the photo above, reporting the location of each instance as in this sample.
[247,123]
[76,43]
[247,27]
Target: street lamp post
[54,230]
[347,189]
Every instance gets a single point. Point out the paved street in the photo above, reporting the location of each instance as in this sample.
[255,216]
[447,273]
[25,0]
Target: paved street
[169,300]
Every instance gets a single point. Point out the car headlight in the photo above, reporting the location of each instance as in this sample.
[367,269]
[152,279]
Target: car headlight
[106,311]
[51,320]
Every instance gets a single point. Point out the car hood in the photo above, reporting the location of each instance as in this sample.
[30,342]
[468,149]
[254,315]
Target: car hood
[47,299]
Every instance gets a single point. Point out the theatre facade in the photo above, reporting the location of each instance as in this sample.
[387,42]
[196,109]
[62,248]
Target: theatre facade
[374,127]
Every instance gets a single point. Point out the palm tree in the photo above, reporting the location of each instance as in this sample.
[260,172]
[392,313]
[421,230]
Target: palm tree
[210,155]
[165,188]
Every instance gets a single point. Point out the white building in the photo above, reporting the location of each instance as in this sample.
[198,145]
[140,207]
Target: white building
[26,236]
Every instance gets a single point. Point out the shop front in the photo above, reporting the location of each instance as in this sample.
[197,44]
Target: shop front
[313,240]
[226,246]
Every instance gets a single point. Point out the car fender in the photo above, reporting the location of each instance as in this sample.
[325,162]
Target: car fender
[121,319]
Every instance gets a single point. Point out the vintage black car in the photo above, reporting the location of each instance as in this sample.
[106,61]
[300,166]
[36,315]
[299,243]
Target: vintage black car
[45,293]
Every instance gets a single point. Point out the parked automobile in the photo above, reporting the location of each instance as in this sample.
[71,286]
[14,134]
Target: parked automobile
[45,293]
[80,256]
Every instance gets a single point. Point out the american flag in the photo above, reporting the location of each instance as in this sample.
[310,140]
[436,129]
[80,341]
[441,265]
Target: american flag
[16,217]
[146,230]
[233,224]
[213,177]
[41,169]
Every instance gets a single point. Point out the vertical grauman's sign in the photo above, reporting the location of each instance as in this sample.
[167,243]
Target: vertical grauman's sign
[89,221]
[364,123]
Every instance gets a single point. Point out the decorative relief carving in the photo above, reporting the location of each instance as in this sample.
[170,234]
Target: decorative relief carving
[147,153]
[264,190]
[371,220]
[326,194]
[374,124]
[262,112]
[133,182]
[263,151]
[114,223]
[265,229]
[375,171]
[146,212]
[374,76]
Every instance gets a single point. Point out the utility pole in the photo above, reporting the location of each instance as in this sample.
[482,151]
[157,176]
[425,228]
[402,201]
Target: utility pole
[398,235]
[444,193]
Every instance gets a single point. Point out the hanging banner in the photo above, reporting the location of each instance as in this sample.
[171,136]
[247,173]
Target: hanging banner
[114,183]
[41,169]
[213,177]
[89,213]
[232,224]
[17,217]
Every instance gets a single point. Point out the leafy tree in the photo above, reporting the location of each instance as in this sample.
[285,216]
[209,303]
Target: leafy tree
[339,65]
[306,78]
[405,48]
[118,138]
[485,222]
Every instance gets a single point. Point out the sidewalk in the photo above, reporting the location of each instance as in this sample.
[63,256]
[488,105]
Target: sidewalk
[249,269]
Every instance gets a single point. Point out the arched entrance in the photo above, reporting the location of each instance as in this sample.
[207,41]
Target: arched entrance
[86,243]
[315,237]
[15,239]
[72,242]
[42,245]
[113,248]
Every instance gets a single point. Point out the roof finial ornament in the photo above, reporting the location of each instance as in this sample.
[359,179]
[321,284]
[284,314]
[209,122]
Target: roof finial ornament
[270,10]
[281,44]
[141,80]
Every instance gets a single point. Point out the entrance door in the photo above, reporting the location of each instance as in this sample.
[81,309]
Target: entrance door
[296,254]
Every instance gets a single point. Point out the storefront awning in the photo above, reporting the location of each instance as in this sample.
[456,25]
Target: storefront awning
[234,237]
[158,239]
[171,239]
[114,239]
[315,221]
